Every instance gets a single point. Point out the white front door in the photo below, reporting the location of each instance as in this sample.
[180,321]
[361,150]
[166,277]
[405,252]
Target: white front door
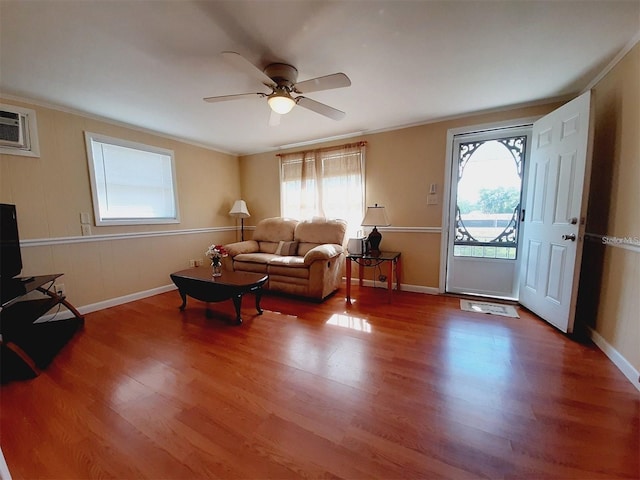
[553,233]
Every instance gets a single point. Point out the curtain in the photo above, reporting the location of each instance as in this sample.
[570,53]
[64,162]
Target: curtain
[326,182]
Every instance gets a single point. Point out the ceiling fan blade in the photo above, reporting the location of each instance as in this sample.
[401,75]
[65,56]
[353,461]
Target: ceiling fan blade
[320,108]
[224,98]
[337,80]
[247,67]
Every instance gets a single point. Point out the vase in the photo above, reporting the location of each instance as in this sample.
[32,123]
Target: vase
[217,269]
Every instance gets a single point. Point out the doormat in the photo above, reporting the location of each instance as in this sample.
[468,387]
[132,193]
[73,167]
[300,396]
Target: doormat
[491,308]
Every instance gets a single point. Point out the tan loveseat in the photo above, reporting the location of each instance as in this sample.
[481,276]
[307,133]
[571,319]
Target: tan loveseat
[302,258]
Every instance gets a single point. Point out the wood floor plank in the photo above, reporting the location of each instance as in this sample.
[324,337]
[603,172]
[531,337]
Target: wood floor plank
[412,389]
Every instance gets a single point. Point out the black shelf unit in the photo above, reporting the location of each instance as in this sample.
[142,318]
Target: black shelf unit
[28,346]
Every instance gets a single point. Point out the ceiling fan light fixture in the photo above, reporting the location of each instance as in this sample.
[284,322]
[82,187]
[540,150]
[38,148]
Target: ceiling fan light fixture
[281,102]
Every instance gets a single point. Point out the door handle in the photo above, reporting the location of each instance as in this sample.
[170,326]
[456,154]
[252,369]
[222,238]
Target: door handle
[571,237]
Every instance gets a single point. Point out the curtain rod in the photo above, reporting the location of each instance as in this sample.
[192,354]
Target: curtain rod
[363,143]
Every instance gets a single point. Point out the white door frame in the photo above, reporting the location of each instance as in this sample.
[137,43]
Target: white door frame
[446,191]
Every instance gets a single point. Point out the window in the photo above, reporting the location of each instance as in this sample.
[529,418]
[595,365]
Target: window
[326,183]
[131,183]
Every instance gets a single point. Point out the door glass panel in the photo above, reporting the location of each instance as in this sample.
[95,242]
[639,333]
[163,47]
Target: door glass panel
[488,198]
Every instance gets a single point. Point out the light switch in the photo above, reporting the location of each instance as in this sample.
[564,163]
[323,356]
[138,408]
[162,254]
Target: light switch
[84,218]
[433,188]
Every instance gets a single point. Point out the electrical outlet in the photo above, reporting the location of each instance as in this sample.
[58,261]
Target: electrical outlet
[382,278]
[199,262]
[86,230]
[192,263]
[432,199]
[59,289]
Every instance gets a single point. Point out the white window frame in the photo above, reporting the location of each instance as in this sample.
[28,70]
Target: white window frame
[98,191]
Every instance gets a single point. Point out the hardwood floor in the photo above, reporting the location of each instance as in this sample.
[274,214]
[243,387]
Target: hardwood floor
[413,389]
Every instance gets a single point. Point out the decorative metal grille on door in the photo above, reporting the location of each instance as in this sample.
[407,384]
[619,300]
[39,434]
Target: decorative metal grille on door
[488,197]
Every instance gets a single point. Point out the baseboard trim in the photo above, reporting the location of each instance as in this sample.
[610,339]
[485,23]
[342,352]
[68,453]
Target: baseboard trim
[419,289]
[403,286]
[618,360]
[112,302]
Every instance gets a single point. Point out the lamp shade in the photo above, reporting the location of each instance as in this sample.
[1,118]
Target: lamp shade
[281,103]
[375,216]
[239,209]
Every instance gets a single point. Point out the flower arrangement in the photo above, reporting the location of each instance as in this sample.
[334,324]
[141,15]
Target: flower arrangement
[215,253]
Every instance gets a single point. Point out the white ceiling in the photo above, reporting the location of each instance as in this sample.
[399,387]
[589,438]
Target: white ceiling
[150,63]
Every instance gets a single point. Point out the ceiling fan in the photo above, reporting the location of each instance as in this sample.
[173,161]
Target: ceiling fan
[281,79]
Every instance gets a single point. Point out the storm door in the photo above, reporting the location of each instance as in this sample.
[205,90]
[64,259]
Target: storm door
[484,229]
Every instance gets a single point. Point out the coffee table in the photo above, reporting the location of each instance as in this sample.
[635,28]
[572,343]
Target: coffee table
[200,284]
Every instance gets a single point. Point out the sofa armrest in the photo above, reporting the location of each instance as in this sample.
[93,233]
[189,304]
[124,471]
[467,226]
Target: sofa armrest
[248,246]
[322,252]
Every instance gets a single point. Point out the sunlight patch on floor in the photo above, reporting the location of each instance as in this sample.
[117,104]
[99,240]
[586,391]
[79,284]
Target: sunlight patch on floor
[351,322]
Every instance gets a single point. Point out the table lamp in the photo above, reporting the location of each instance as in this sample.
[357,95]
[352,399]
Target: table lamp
[239,210]
[375,216]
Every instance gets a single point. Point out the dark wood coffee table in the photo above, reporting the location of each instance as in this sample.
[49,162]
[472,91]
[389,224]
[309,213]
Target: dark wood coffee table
[199,283]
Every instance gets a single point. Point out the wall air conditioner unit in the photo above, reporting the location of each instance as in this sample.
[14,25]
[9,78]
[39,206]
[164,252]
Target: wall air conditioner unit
[13,128]
[18,131]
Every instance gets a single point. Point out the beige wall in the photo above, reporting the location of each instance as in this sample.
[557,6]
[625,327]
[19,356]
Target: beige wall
[400,166]
[50,192]
[610,280]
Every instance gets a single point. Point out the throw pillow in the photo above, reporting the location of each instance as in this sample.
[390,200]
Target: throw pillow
[287,248]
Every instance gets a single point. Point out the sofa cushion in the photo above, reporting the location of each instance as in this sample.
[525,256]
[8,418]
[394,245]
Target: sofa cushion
[292,261]
[252,262]
[250,267]
[274,230]
[268,247]
[304,247]
[258,257]
[321,231]
[287,248]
